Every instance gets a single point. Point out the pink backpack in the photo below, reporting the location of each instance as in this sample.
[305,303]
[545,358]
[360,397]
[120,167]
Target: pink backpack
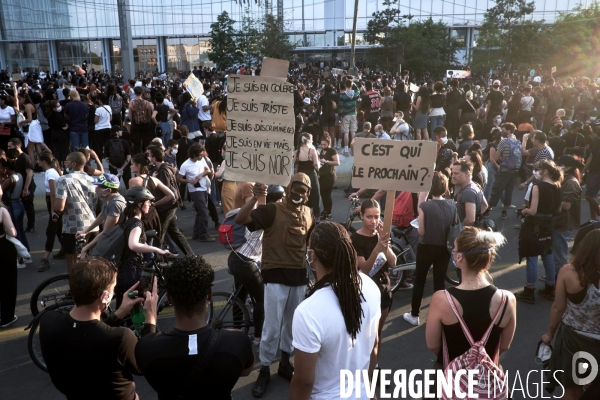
[476,358]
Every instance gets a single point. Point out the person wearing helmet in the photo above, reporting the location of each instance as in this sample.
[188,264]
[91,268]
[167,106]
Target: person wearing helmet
[243,264]
[287,226]
[107,189]
[138,200]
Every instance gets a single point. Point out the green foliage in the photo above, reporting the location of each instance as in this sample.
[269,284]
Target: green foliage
[427,44]
[575,41]
[224,50]
[509,37]
[273,41]
[248,39]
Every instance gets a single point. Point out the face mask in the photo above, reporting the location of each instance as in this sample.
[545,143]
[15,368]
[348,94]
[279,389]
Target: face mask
[69,170]
[297,198]
[454,261]
[108,299]
[592,118]
[498,121]
[174,152]
[444,140]
[59,109]
[537,175]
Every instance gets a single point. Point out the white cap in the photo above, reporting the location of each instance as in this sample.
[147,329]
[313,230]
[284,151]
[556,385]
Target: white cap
[307,100]
[138,84]
[497,83]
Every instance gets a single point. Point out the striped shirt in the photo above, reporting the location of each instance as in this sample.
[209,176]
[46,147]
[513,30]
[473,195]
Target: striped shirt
[545,153]
[252,249]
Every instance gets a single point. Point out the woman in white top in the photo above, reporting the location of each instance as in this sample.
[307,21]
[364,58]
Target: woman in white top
[8,117]
[103,116]
[52,172]
[342,335]
[527,99]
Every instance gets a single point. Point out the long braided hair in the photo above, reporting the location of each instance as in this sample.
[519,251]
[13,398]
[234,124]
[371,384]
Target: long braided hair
[333,248]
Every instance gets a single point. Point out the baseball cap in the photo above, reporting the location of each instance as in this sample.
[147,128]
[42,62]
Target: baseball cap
[496,83]
[306,100]
[108,180]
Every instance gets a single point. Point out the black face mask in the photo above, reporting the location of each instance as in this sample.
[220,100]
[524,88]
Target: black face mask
[297,199]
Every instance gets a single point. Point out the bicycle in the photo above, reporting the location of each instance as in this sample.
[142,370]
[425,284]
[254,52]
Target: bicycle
[405,256]
[227,311]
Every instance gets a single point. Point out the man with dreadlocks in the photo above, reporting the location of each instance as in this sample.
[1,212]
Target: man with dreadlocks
[335,328]
[286,226]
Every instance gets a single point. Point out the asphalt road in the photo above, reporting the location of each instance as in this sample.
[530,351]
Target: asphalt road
[403,345]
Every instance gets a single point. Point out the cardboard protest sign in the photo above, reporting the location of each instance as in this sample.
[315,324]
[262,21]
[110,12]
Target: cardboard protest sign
[274,67]
[413,88]
[301,66]
[260,129]
[458,74]
[193,85]
[326,74]
[405,165]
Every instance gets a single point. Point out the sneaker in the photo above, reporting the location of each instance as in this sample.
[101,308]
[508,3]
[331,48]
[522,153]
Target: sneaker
[408,317]
[44,265]
[490,209]
[405,286]
[542,279]
[206,238]
[328,217]
[10,323]
[286,370]
[21,264]
[518,226]
[547,292]
[527,295]
[260,386]
[254,342]
[512,206]
[59,256]
[31,229]
[503,215]
[27,260]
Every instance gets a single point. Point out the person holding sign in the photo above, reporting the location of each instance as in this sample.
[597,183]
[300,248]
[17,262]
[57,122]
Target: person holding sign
[306,160]
[287,227]
[374,254]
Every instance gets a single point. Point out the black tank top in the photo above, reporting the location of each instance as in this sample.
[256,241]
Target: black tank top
[476,313]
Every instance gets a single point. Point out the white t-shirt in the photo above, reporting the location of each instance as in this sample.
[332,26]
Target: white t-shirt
[6,114]
[526,103]
[50,175]
[190,170]
[203,115]
[104,113]
[319,329]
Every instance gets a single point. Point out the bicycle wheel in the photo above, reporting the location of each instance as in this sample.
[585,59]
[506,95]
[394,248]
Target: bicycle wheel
[165,320]
[33,341]
[228,313]
[453,275]
[52,291]
[405,258]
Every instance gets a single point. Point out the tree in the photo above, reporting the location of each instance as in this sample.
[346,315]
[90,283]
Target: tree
[249,39]
[509,37]
[428,47]
[224,50]
[574,42]
[274,42]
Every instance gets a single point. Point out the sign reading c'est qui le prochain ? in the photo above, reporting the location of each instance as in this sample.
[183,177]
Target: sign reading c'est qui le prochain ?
[260,129]
[406,165]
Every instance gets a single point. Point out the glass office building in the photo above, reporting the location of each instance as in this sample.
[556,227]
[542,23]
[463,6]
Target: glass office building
[52,34]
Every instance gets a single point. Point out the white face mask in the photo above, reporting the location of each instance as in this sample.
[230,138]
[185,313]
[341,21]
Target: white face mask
[592,118]
[59,109]
[174,151]
[537,175]
[444,140]
[498,121]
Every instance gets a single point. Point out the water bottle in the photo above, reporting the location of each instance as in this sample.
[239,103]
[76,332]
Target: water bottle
[138,316]
[379,262]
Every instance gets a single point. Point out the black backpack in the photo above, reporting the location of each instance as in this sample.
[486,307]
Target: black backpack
[111,244]
[116,152]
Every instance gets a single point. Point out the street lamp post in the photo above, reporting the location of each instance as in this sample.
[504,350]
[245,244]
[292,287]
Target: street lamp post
[353,70]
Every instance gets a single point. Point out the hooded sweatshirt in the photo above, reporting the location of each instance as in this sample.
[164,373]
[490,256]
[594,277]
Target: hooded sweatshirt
[347,102]
[286,231]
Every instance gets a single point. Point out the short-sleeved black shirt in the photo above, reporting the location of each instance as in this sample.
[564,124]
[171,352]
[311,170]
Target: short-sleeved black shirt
[24,163]
[166,359]
[496,98]
[88,359]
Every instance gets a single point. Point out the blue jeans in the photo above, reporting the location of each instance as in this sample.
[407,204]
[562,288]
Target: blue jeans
[167,133]
[539,121]
[79,139]
[532,270]
[434,122]
[491,178]
[18,216]
[560,249]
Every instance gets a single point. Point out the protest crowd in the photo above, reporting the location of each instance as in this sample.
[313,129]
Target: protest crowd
[129,154]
